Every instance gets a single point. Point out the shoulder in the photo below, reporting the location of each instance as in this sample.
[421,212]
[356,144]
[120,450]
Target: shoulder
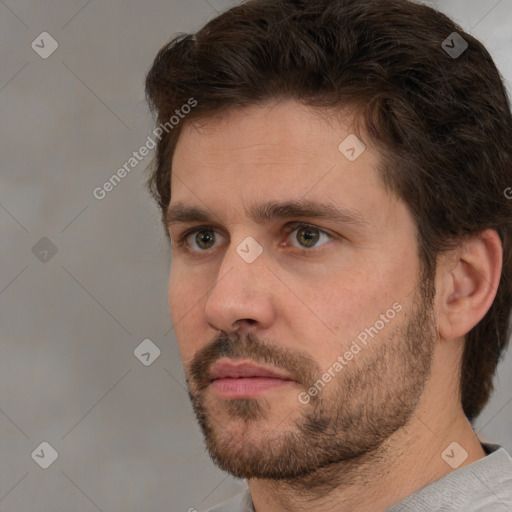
[484,485]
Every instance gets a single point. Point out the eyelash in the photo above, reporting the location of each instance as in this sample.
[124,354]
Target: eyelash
[290,228]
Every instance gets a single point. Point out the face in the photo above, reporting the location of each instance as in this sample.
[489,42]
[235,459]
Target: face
[291,257]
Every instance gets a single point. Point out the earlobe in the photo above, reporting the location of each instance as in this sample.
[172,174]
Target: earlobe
[470,280]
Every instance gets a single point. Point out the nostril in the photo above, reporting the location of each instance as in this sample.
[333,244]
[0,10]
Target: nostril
[249,321]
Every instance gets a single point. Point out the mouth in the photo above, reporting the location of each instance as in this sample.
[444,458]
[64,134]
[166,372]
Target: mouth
[244,379]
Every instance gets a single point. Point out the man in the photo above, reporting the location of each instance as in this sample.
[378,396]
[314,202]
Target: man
[332,177]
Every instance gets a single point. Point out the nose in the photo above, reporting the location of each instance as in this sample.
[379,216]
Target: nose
[242,295]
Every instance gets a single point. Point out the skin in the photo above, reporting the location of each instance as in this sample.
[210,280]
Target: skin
[375,433]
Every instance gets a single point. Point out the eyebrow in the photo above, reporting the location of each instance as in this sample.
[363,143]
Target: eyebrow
[270,211]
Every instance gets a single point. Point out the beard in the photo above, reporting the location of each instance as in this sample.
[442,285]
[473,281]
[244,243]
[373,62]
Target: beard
[343,426]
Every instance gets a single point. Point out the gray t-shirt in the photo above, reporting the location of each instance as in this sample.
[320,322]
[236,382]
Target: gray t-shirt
[483,486]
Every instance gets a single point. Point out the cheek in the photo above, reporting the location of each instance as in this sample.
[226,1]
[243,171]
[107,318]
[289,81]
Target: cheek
[343,306]
[179,299]
[184,310]
[183,291]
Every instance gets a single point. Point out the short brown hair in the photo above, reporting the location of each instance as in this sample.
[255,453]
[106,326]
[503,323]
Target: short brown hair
[442,124]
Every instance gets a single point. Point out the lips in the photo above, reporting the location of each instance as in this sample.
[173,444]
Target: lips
[232,380]
[243,369]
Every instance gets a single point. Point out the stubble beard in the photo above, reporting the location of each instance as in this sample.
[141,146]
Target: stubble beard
[375,395]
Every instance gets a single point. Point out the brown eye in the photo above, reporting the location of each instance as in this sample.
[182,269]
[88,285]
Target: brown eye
[308,237]
[205,239]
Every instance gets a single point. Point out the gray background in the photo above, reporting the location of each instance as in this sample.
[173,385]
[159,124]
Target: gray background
[124,432]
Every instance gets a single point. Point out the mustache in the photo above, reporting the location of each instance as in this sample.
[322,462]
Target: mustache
[246,345]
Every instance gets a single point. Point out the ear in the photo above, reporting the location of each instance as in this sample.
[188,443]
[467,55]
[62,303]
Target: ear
[469,278]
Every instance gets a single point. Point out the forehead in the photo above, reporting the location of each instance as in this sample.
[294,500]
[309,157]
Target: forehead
[271,150]
[285,125]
